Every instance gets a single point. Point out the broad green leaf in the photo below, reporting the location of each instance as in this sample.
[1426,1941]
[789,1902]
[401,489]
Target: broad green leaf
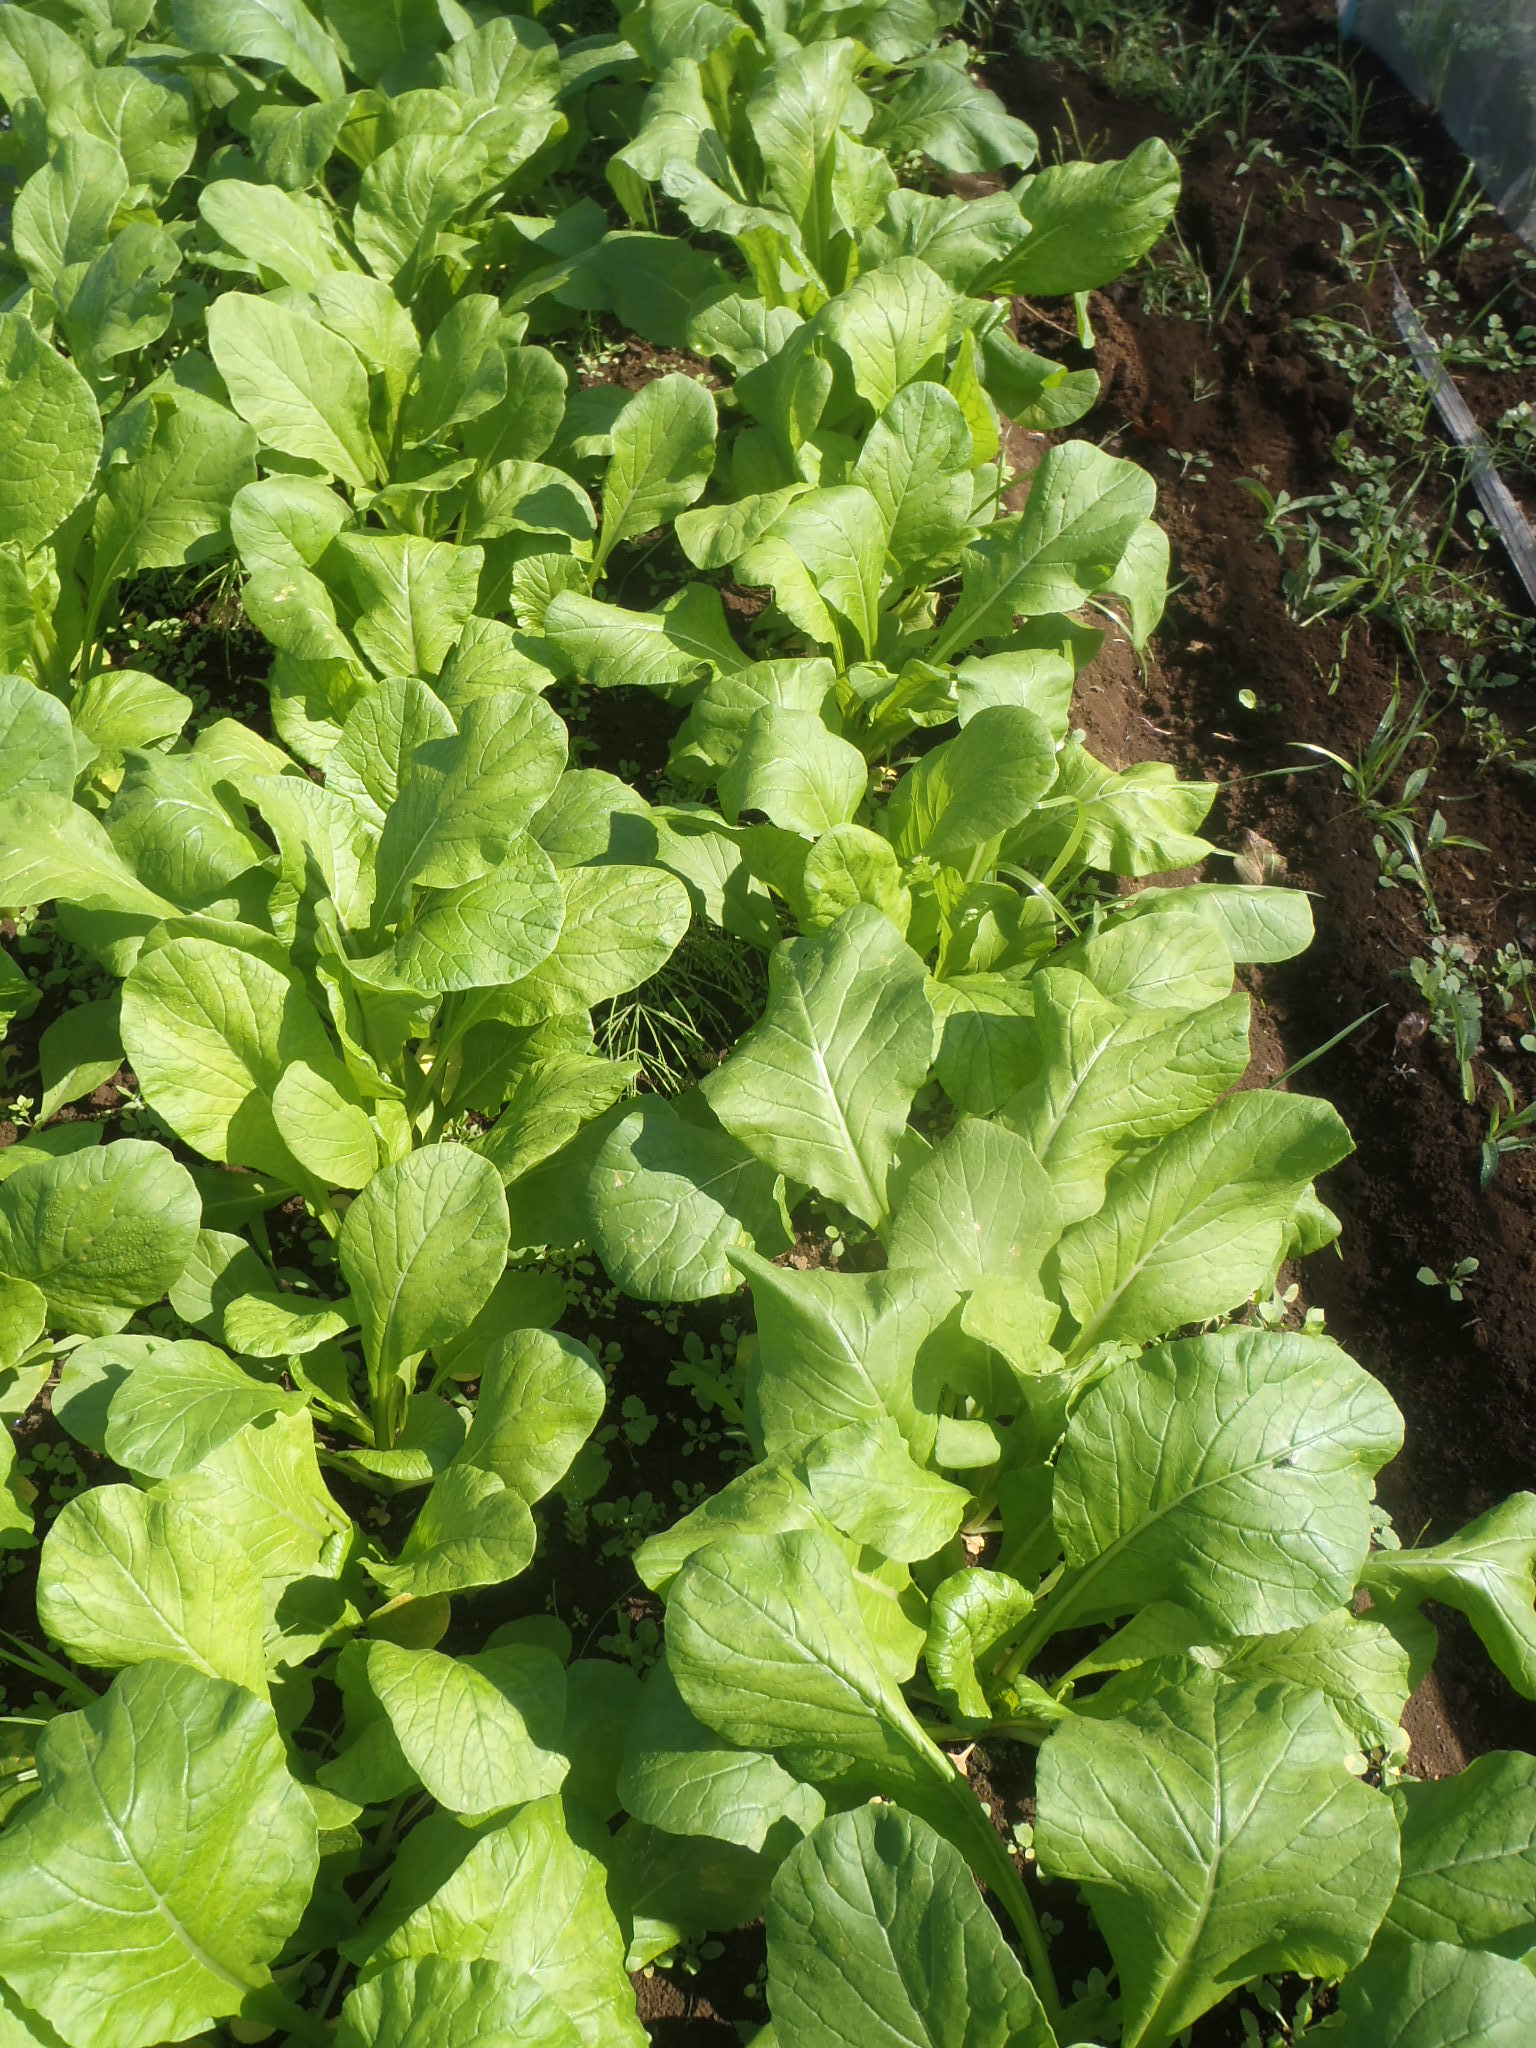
[548,1105]
[799,775]
[373,758]
[939,110]
[768,1644]
[162,1865]
[301,387]
[149,119]
[795,112]
[622,925]
[723,710]
[1142,821]
[77,1052]
[100,1232]
[127,1579]
[1191,1227]
[877,1936]
[375,36]
[1232,1473]
[165,505]
[1363,1670]
[676,1775]
[462,372]
[1469,1857]
[180,836]
[1258,924]
[669,1199]
[468,798]
[324,1126]
[425,2000]
[421,1248]
[409,193]
[766,1499]
[50,434]
[180,1402]
[864,1480]
[285,522]
[1429,1994]
[823,557]
[120,708]
[714,536]
[263,1487]
[210,1031]
[23,1317]
[916,465]
[527,1897]
[37,742]
[540,1398]
[412,597]
[1090,222]
[480,1732]
[1175,956]
[836,1348]
[972,788]
[980,1204]
[285,237]
[16,1529]
[1487,1572]
[291,145]
[663,451]
[1218,1837]
[670,1889]
[848,865]
[1110,1082]
[472,1530]
[893,325]
[1083,508]
[653,650]
[483,935]
[972,1612]
[820,1089]
[280,32]
[38,59]
[64,213]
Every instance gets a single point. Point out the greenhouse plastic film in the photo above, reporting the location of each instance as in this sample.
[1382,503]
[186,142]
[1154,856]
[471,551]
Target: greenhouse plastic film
[1476,61]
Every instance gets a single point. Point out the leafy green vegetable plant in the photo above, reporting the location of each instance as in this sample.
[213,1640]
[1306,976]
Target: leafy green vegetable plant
[289,288]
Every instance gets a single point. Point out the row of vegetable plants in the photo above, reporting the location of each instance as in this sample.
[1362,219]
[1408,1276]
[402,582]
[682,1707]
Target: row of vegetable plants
[287,286]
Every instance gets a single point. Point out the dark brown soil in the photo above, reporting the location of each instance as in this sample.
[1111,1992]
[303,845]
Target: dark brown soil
[1252,399]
